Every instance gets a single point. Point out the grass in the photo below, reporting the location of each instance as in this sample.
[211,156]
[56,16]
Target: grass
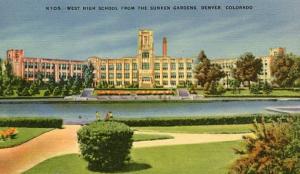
[211,158]
[24,135]
[150,137]
[246,93]
[213,129]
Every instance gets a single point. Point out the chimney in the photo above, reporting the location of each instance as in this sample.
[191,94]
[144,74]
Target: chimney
[164,47]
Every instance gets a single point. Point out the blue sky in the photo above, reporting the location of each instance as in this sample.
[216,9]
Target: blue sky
[25,24]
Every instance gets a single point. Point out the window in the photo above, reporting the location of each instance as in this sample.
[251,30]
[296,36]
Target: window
[145,66]
[157,75]
[111,82]
[157,66]
[181,75]
[111,67]
[173,83]
[127,66]
[145,55]
[119,83]
[103,67]
[188,66]
[127,75]
[189,75]
[134,75]
[165,75]
[181,66]
[111,75]
[119,75]
[134,66]
[119,66]
[173,66]
[165,83]
[48,66]
[25,64]
[103,76]
[173,75]
[165,66]
[146,79]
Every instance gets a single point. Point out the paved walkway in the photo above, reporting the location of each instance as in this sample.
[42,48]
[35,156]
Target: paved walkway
[64,141]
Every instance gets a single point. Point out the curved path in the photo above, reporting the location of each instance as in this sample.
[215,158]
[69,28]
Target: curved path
[64,141]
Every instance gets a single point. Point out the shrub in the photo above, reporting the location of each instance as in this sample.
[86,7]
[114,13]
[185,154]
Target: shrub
[56,91]
[10,133]
[255,89]
[267,88]
[205,120]
[31,122]
[272,149]
[47,93]
[105,145]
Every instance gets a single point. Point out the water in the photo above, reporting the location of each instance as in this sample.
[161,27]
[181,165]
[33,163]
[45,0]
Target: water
[74,112]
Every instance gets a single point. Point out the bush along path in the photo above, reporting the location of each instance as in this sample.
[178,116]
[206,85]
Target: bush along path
[64,141]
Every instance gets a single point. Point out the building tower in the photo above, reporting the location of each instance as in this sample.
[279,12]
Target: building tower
[15,58]
[145,58]
[164,47]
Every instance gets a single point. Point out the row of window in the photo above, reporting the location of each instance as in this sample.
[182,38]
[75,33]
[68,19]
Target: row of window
[173,75]
[119,66]
[146,66]
[51,66]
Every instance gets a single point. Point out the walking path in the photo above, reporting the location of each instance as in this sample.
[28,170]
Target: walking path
[15,160]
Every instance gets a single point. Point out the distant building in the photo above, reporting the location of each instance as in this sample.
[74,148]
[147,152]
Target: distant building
[228,64]
[146,69]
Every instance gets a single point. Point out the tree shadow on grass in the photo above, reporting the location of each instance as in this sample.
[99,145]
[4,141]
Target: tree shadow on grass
[129,167]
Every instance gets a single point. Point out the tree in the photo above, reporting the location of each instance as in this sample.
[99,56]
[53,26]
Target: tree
[248,68]
[39,80]
[235,85]
[255,88]
[65,90]
[284,71]
[76,86]
[267,88]
[51,83]
[25,92]
[88,75]
[208,74]
[273,149]
[8,90]
[56,91]
[34,89]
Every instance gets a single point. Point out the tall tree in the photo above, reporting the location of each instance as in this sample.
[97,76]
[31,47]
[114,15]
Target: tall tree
[281,69]
[88,75]
[248,68]
[207,74]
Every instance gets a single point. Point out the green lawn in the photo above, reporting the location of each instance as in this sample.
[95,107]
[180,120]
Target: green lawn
[225,129]
[211,158]
[24,135]
[148,137]
[246,93]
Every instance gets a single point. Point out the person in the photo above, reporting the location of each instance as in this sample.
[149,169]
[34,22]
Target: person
[97,116]
[108,116]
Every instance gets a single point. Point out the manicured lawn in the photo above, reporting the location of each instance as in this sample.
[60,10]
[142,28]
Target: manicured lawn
[24,135]
[211,158]
[148,137]
[246,93]
[224,129]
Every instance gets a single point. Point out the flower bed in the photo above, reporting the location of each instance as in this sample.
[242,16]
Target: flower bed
[9,133]
[135,92]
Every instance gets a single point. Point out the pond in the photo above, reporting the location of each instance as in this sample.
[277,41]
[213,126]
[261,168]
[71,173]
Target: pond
[81,112]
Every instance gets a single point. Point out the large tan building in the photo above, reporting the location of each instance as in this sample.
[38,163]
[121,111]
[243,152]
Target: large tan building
[146,68]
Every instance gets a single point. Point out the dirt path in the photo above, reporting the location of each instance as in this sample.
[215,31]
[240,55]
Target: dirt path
[184,138]
[21,158]
[64,141]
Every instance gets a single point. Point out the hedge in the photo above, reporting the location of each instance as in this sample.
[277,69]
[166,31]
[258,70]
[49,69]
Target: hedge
[206,120]
[105,145]
[38,122]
